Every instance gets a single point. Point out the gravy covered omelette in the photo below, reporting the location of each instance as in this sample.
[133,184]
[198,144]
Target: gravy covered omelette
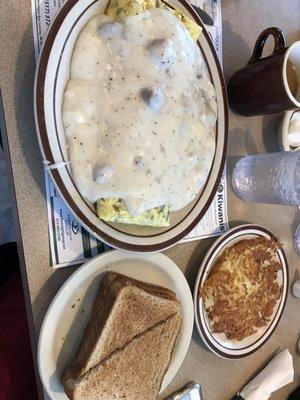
[139,112]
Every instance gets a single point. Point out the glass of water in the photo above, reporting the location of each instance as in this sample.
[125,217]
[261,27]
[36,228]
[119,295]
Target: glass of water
[268,178]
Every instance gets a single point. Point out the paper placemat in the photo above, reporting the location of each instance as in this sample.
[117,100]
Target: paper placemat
[70,243]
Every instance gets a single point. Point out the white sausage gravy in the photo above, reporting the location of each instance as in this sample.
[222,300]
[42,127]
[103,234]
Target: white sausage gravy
[139,112]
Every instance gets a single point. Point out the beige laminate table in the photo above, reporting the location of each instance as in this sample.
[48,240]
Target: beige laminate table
[243,20]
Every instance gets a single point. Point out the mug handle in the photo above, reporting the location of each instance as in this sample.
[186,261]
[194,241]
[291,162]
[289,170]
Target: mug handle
[279,39]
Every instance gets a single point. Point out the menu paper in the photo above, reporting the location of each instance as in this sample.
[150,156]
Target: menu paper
[70,243]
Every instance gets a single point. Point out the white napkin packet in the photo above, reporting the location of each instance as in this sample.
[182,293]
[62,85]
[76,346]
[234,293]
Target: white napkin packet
[278,373]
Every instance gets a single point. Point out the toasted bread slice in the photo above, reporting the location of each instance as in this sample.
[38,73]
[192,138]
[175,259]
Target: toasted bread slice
[123,309]
[134,372]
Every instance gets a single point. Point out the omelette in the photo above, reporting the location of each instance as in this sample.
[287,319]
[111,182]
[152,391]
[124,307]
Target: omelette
[113,209]
[119,9]
[139,112]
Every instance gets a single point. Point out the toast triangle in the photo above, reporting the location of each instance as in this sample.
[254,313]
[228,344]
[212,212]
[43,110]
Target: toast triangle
[123,308]
[134,372]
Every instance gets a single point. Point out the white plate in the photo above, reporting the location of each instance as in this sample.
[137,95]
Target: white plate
[68,313]
[218,343]
[51,77]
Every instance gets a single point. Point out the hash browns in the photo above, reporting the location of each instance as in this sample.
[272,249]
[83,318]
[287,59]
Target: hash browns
[242,290]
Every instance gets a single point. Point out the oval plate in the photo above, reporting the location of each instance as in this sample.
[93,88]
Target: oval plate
[69,311]
[51,77]
[218,343]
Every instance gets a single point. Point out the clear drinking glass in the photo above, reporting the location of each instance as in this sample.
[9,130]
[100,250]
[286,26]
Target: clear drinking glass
[269,178]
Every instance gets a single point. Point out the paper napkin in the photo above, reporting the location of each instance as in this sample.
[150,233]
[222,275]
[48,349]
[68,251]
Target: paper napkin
[278,373]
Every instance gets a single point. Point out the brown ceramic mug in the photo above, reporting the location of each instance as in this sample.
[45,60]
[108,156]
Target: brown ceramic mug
[267,84]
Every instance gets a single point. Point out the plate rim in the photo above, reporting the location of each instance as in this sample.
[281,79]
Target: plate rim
[211,253]
[44,144]
[119,256]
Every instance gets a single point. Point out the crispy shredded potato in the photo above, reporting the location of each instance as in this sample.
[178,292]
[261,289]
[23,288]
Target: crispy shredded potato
[242,290]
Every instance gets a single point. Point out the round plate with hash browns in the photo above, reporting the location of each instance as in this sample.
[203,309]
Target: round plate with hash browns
[240,291]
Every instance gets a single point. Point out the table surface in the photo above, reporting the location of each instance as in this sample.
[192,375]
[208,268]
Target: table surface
[243,20]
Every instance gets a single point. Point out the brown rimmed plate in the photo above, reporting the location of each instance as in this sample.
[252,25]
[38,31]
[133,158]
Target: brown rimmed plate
[218,343]
[51,77]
